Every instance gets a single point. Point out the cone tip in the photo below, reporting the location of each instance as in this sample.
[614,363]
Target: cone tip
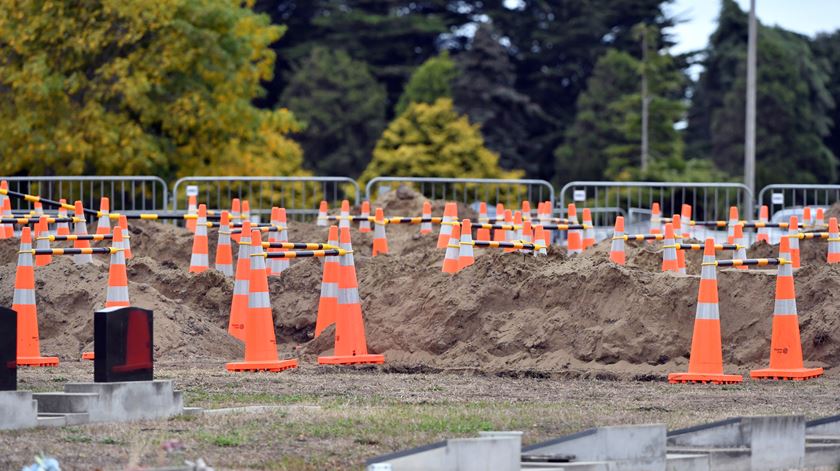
[784,246]
[526,206]
[669,230]
[832,225]
[794,223]
[619,224]
[256,237]
[246,227]
[572,210]
[517,217]
[345,205]
[709,247]
[202,211]
[118,234]
[344,235]
[380,214]
[733,213]
[764,212]
[654,208]
[467,226]
[332,235]
[275,213]
[365,206]
[104,204]
[225,219]
[26,235]
[482,207]
[323,206]
[587,214]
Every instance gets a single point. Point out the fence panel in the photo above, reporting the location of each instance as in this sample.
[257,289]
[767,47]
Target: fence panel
[509,192]
[709,201]
[299,195]
[782,197]
[131,194]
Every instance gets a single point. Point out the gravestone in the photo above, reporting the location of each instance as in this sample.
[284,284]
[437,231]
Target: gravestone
[123,345]
[8,349]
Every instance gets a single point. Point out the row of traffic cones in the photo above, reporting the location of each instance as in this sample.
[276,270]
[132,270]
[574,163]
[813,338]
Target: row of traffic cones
[706,358]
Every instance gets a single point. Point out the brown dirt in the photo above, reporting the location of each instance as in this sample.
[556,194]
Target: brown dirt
[508,313]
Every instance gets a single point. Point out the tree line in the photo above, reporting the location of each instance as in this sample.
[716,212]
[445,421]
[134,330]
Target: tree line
[478,88]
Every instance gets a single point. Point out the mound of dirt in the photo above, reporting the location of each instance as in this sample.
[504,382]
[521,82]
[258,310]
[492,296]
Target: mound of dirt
[507,313]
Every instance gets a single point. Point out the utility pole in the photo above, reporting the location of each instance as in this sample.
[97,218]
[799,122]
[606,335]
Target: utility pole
[749,142]
[645,100]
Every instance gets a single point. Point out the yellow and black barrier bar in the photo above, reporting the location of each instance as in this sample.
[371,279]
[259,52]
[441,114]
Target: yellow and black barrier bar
[73,251]
[809,235]
[261,229]
[304,253]
[565,227]
[253,225]
[298,246]
[348,218]
[760,225]
[640,237]
[748,262]
[503,245]
[34,220]
[38,199]
[702,246]
[411,220]
[54,238]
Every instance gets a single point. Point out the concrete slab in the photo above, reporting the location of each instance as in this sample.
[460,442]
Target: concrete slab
[52,421]
[17,410]
[65,403]
[494,453]
[691,462]
[630,447]
[823,426]
[79,418]
[127,401]
[756,443]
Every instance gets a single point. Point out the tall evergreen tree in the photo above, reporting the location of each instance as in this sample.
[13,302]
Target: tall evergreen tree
[484,90]
[827,48]
[430,81]
[793,104]
[343,108]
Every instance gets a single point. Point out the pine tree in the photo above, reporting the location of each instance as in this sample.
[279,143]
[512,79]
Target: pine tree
[432,140]
[430,81]
[342,107]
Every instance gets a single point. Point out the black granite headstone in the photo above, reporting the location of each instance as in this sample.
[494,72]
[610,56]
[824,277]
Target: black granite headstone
[8,349]
[123,345]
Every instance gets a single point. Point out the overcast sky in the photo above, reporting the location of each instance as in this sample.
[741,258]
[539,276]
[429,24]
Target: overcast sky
[803,16]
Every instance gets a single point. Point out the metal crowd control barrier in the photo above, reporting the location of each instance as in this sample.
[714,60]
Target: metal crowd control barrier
[780,197]
[299,195]
[127,194]
[468,190]
[709,201]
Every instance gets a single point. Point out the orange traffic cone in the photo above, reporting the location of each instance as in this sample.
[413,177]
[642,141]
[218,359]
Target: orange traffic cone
[820,221]
[588,233]
[28,345]
[545,219]
[80,228]
[350,343]
[236,218]
[450,259]
[793,230]
[785,345]
[192,210]
[516,234]
[741,251]
[685,219]
[482,234]
[669,253]
[509,234]
[246,211]
[763,232]
[540,241]
[260,341]
[833,241]
[527,235]
[526,211]
[655,220]
[574,244]
[122,222]
[117,295]
[364,224]
[705,365]
[677,223]
[344,220]
[6,230]
[276,266]
[104,224]
[239,303]
[42,241]
[733,220]
[450,215]
[426,227]
[380,240]
[224,255]
[62,228]
[499,235]
[322,214]
[617,253]
[465,249]
[200,258]
[328,304]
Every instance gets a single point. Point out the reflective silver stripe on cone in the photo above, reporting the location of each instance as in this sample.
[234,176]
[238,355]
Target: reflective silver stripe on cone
[225,269]
[259,300]
[785,307]
[24,296]
[344,222]
[466,250]
[329,290]
[322,219]
[707,311]
[199,260]
[240,287]
[117,293]
[446,229]
[348,296]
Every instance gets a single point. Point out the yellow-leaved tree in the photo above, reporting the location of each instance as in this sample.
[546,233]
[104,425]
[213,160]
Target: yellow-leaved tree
[432,140]
[161,87]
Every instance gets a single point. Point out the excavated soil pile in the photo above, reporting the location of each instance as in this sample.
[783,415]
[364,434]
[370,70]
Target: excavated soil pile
[508,313]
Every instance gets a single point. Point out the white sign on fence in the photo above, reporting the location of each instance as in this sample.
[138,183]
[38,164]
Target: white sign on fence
[778,198]
[192,190]
[579,195]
